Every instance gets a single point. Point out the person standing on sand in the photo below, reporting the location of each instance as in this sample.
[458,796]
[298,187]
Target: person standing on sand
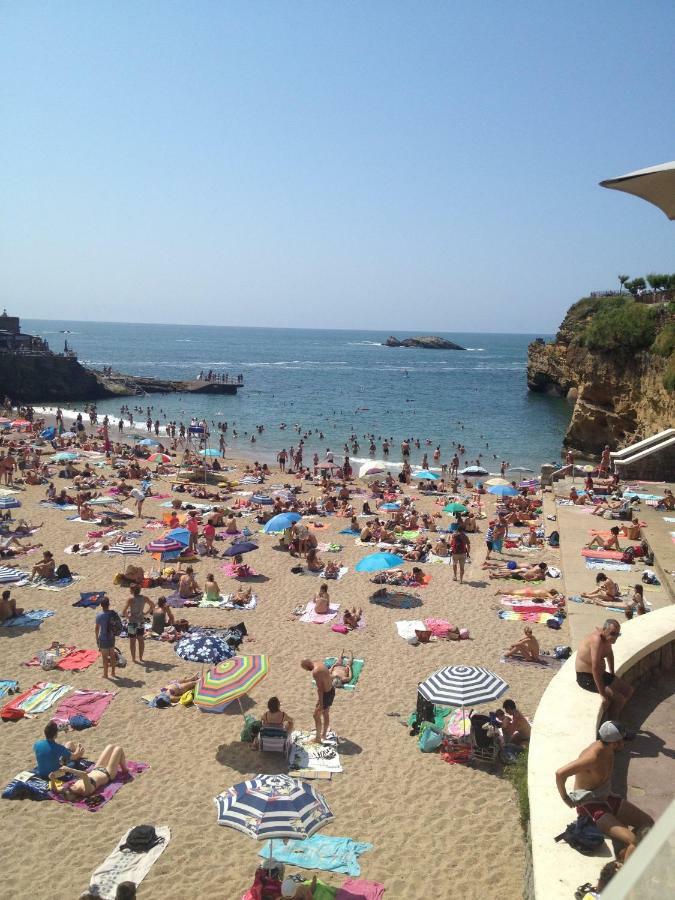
[595,669]
[192,526]
[105,639]
[325,696]
[135,610]
[460,548]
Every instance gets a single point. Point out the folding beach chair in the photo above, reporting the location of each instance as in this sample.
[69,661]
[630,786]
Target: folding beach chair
[274,740]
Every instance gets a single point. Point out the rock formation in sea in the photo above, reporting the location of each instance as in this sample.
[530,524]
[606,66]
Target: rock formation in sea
[614,359]
[430,342]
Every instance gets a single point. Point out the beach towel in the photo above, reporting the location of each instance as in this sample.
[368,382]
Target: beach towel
[8,686]
[38,698]
[100,798]
[357,668]
[359,889]
[90,599]
[397,600]
[668,519]
[544,662]
[438,627]
[49,505]
[329,548]
[315,618]
[86,521]
[331,854]
[31,618]
[533,617]
[84,551]
[59,585]
[68,659]
[230,569]
[406,628]
[356,533]
[91,704]
[518,604]
[225,602]
[305,753]
[125,865]
[609,565]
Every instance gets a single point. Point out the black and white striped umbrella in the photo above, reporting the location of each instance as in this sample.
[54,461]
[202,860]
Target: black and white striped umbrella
[462,686]
[125,548]
[8,574]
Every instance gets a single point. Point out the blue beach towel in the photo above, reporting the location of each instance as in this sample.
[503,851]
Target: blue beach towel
[332,854]
[90,599]
[351,531]
[30,619]
[8,686]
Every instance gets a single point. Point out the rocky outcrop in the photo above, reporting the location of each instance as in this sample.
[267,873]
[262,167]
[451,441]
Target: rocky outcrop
[430,342]
[618,397]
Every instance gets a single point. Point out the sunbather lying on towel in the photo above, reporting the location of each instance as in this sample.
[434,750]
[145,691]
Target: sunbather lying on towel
[12,546]
[243,595]
[532,593]
[526,648]
[522,573]
[341,670]
[176,689]
[109,763]
[8,608]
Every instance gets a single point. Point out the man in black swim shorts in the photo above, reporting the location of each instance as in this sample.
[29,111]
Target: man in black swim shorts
[595,668]
[325,695]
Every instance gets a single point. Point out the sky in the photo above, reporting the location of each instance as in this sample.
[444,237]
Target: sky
[348,164]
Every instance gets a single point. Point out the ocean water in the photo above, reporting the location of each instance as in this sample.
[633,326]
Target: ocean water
[338,382]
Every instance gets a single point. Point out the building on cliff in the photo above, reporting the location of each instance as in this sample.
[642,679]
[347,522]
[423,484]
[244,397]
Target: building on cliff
[13,341]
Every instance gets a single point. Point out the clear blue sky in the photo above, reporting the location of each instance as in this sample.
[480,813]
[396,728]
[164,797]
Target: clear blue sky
[346,164]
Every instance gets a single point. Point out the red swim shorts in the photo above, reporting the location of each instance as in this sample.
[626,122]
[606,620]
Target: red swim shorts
[596,809]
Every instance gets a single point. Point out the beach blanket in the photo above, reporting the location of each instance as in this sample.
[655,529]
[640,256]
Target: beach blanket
[100,798]
[8,686]
[91,704]
[643,496]
[355,533]
[357,668]
[406,628]
[10,575]
[85,521]
[609,565]
[225,602]
[305,753]
[49,505]
[397,600]
[438,627]
[544,662]
[60,584]
[70,659]
[360,889]
[331,854]
[125,865]
[315,618]
[90,599]
[31,618]
[329,548]
[84,551]
[38,698]
[154,526]
[535,618]
[518,604]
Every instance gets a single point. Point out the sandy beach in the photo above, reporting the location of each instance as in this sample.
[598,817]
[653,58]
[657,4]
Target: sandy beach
[429,822]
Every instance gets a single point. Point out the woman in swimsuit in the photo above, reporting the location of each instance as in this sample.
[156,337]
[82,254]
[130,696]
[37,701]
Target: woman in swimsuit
[211,588]
[109,763]
[322,601]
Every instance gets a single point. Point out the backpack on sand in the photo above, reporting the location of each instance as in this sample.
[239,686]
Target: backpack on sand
[114,623]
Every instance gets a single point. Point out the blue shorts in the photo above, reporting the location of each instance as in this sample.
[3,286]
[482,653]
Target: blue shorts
[497,544]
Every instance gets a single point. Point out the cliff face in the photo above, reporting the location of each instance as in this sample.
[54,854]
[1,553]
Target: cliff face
[33,378]
[618,397]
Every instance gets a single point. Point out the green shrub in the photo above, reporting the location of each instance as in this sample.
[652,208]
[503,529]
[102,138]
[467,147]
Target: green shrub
[621,324]
[669,376]
[516,772]
[665,340]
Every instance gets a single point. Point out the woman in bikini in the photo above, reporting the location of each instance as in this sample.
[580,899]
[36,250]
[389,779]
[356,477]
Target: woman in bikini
[109,763]
[274,717]
[322,601]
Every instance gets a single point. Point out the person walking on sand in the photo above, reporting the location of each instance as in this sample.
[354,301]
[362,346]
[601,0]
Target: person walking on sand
[192,526]
[325,696]
[135,611]
[105,639]
[595,668]
[460,547]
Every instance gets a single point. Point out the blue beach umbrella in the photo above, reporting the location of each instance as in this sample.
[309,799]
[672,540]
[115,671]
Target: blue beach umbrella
[281,522]
[9,503]
[148,442]
[209,452]
[502,490]
[425,475]
[203,648]
[48,433]
[376,562]
[182,535]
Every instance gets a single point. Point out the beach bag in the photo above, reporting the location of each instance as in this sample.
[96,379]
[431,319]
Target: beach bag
[582,834]
[554,539]
[628,555]
[554,623]
[79,723]
[48,659]
[251,728]
[114,623]
[562,652]
[430,740]
[141,839]
[63,572]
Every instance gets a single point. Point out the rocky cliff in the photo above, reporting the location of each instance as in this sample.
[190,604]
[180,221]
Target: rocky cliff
[429,342]
[619,394]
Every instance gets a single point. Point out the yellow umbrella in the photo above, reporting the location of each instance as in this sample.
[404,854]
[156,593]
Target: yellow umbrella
[496,480]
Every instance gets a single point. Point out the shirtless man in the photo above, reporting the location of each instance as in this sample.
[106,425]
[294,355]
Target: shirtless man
[632,531]
[536,572]
[8,608]
[592,795]
[325,695]
[595,668]
[526,648]
[515,726]
[341,670]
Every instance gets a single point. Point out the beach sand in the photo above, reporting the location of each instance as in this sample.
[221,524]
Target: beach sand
[437,829]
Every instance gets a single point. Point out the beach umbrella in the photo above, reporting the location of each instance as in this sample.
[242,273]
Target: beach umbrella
[454,508]
[9,503]
[126,548]
[243,547]
[283,494]
[103,501]
[21,423]
[203,648]
[376,562]
[229,681]
[262,499]
[148,442]
[65,456]
[655,185]
[159,457]
[462,686]
[371,468]
[164,545]
[327,464]
[502,490]
[48,433]
[9,574]
[520,469]
[210,451]
[496,480]
[281,522]
[273,806]
[182,535]
[474,470]
[425,475]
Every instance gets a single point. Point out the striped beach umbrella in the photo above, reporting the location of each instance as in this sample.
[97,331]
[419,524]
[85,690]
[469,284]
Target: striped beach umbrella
[9,574]
[376,562]
[462,686]
[273,806]
[203,648]
[229,681]
[126,548]
[262,499]
[164,545]
[9,503]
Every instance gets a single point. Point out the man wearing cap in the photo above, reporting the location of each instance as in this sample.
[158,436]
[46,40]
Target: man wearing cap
[595,668]
[592,795]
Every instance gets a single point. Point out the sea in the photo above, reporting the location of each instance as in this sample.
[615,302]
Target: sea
[337,383]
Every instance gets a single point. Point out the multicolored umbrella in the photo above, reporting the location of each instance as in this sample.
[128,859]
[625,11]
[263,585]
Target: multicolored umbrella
[203,648]
[21,423]
[164,545]
[376,562]
[262,499]
[281,522]
[229,681]
[273,806]
[243,547]
[9,503]
[159,457]
[126,548]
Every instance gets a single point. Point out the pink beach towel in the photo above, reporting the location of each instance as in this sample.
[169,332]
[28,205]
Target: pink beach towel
[106,793]
[91,704]
[230,569]
[438,627]
[359,889]
[319,618]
